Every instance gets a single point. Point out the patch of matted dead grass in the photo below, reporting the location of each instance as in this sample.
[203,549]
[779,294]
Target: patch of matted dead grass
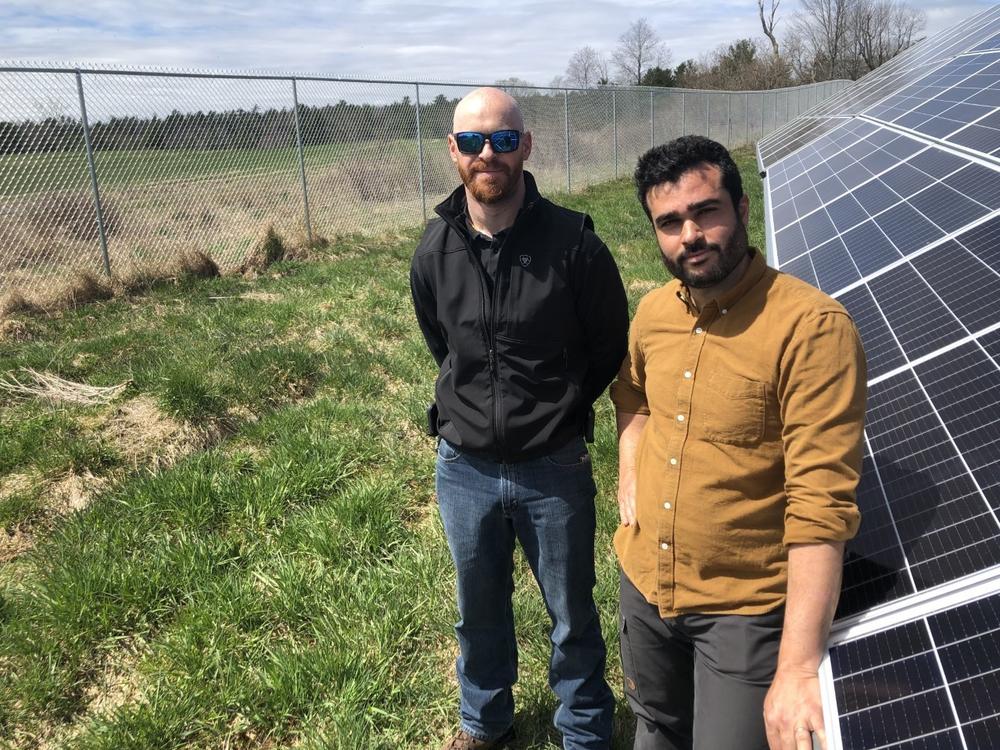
[117,683]
[643,286]
[144,436]
[148,438]
[68,493]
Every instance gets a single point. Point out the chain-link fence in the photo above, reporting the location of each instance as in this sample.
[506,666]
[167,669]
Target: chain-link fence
[112,170]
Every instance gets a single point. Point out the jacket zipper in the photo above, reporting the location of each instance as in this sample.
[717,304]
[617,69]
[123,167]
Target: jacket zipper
[489,314]
[490,322]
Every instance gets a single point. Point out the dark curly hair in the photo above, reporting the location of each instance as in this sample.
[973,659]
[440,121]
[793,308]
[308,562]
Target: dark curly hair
[668,162]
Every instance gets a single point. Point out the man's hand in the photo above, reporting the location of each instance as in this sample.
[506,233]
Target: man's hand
[626,499]
[630,428]
[793,711]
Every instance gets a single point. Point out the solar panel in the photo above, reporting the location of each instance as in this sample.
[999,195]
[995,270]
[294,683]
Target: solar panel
[887,197]
[932,682]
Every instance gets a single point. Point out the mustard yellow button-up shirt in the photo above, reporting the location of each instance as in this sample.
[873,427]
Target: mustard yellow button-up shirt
[756,407]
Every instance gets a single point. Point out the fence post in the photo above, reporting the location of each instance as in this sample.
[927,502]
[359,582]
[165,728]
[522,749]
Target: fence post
[708,115]
[652,121]
[729,118]
[302,160]
[762,100]
[746,113]
[569,184]
[614,119]
[93,176]
[684,126]
[420,158]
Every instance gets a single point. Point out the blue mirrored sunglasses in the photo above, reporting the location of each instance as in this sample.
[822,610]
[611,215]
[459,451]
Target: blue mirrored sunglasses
[502,141]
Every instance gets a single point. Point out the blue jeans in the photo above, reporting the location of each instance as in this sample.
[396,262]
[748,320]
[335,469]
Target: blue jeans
[547,504]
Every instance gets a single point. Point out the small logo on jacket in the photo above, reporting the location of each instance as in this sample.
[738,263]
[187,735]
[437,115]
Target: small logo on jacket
[525,260]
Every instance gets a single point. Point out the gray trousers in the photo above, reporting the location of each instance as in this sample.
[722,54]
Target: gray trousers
[696,682]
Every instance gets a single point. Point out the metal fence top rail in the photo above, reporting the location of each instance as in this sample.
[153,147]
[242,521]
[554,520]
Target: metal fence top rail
[15,66]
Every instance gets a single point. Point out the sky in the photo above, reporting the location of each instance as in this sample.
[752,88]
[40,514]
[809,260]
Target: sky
[444,40]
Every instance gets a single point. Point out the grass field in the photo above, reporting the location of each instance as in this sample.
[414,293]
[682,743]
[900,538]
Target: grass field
[243,550]
[25,173]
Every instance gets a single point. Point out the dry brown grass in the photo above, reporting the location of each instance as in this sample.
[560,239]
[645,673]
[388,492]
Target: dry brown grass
[15,303]
[29,383]
[194,264]
[147,438]
[643,286]
[267,252]
[83,289]
[14,330]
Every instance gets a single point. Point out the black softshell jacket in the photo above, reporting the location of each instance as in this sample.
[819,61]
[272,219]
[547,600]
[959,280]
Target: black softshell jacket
[519,369]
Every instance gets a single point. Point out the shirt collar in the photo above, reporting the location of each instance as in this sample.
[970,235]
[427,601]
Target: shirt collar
[753,274]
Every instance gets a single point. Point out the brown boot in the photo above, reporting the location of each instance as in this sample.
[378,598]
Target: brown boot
[465,741]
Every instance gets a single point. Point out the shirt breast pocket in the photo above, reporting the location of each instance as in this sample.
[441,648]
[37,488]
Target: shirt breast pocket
[733,409]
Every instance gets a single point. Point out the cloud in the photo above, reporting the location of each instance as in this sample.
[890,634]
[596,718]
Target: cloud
[448,40]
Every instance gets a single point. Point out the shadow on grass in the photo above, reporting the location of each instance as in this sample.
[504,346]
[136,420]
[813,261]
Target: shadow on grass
[535,730]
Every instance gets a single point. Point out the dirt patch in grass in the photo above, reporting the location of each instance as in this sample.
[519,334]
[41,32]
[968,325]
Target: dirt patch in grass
[148,438]
[67,494]
[118,684]
[14,330]
[643,286]
[15,484]
[261,296]
[14,543]
[74,492]
[143,436]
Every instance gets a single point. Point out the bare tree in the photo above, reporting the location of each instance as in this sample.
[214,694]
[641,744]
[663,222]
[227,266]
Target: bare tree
[884,28]
[824,27]
[516,87]
[769,21]
[639,49]
[586,68]
[848,38]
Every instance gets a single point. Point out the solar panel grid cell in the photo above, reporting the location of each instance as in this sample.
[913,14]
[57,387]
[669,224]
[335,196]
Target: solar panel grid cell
[966,284]
[872,250]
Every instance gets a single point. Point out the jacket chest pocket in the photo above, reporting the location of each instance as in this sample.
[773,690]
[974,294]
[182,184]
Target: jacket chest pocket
[538,305]
[732,409]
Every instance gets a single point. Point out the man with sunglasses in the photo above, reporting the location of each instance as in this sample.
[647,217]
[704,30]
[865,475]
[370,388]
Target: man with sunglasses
[523,309]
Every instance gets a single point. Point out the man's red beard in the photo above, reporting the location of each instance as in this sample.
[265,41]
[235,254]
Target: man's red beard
[492,187]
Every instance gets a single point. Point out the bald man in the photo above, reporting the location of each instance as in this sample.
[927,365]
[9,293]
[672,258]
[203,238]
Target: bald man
[523,309]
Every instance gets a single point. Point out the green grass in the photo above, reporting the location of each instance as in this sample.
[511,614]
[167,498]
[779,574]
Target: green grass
[290,585]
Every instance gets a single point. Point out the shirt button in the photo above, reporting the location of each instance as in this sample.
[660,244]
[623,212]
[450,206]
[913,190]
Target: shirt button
[673,461]
[667,506]
[664,546]
[680,417]
[724,311]
[698,330]
[687,373]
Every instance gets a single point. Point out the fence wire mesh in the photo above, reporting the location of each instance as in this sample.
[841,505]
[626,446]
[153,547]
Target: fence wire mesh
[115,171]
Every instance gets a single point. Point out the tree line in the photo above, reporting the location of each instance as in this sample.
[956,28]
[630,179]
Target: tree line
[255,128]
[823,40]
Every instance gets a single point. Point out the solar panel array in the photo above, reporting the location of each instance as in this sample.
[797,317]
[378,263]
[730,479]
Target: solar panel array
[887,197]
[930,683]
